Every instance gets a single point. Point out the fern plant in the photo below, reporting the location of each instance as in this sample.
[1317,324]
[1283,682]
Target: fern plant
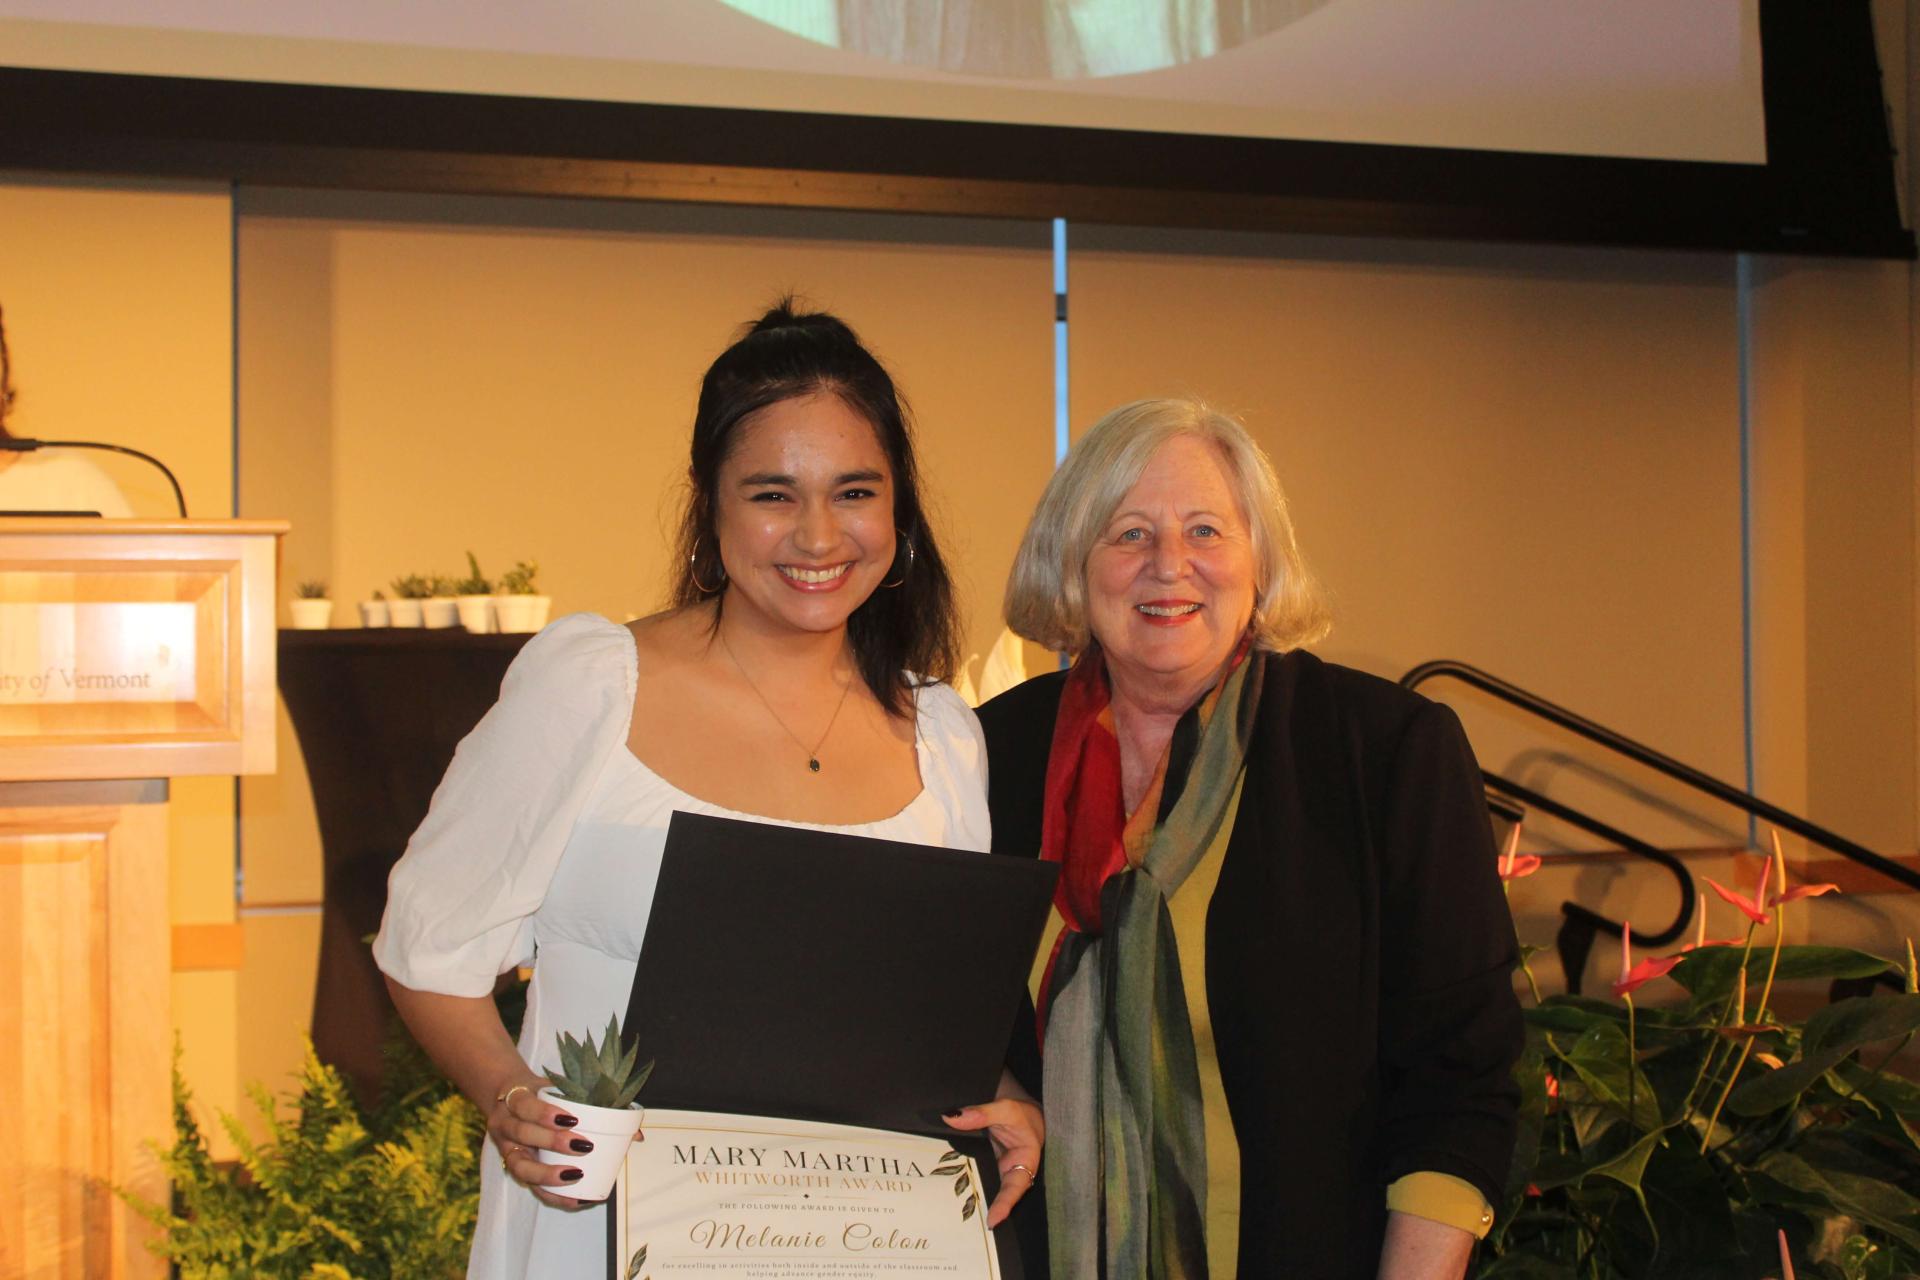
[599,1075]
[330,1192]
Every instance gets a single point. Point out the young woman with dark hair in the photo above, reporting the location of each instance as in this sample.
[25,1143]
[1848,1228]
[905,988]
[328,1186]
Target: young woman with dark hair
[795,679]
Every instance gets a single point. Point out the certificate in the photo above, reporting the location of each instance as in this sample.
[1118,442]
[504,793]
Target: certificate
[712,1195]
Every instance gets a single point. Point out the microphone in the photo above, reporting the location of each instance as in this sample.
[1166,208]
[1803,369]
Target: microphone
[20,444]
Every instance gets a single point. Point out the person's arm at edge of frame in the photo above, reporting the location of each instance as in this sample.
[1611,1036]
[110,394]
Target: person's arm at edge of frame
[1450,1043]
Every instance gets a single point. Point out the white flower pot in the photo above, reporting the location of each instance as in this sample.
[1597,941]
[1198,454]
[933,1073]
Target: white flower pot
[476,613]
[404,613]
[522,613]
[311,615]
[374,613]
[439,611]
[611,1132]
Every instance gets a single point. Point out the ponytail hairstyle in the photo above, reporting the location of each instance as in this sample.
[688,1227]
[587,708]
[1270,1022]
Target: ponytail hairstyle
[901,633]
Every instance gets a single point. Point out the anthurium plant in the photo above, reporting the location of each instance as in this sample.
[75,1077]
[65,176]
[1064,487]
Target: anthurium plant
[1713,1136]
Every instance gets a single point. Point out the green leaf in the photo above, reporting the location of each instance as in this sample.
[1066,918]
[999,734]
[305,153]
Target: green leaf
[1862,1020]
[1832,1035]
[1599,1057]
[1709,972]
[1572,1015]
[638,1261]
[1692,1219]
[961,1184]
[1628,1168]
[1877,1203]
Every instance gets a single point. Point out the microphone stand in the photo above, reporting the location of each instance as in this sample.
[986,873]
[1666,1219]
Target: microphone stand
[17,444]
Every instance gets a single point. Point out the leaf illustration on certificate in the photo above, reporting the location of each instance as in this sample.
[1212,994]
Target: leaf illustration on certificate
[954,1165]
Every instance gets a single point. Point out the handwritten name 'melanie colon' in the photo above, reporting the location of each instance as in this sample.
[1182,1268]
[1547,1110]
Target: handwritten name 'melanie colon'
[69,680]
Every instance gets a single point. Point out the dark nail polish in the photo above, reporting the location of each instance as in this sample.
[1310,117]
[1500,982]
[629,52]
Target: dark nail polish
[581,1145]
[571,1175]
[951,1114]
[566,1122]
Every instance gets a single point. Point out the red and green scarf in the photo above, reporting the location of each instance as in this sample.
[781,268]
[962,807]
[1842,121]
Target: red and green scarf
[1126,1142]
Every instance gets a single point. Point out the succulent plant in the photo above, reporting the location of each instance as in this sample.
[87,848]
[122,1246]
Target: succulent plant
[412,587]
[315,590]
[475,583]
[378,594]
[519,580]
[599,1075]
[441,585]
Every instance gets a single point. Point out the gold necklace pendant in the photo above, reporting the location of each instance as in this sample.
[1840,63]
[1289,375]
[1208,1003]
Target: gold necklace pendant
[813,752]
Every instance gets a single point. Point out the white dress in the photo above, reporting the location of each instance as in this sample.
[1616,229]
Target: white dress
[544,838]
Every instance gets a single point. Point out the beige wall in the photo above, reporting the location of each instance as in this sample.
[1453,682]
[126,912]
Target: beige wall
[118,302]
[1525,459]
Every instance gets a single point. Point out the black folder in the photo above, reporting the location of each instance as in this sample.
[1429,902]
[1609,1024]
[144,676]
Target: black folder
[821,976]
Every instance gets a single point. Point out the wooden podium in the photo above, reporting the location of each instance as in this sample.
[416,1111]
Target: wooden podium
[131,652]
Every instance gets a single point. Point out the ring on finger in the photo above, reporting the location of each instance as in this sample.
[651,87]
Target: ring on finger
[507,1155]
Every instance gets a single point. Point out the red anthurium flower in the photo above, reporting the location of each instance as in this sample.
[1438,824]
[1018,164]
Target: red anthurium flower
[1553,1085]
[1513,864]
[1754,908]
[1533,1189]
[1700,938]
[1786,1259]
[1634,976]
[1780,891]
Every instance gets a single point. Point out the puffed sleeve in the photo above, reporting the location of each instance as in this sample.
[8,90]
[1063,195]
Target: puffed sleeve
[954,765]
[1450,1027]
[459,899]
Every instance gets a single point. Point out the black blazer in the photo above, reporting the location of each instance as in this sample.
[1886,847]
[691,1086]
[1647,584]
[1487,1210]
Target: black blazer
[1359,956]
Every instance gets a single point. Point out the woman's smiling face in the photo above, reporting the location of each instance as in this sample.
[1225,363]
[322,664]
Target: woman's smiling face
[803,512]
[1170,580]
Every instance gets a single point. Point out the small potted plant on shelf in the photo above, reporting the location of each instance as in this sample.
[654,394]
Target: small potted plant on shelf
[520,607]
[473,596]
[374,612]
[310,606]
[439,608]
[597,1084]
[408,592]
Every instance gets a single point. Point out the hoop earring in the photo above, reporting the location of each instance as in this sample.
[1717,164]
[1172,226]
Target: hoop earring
[909,566]
[693,572]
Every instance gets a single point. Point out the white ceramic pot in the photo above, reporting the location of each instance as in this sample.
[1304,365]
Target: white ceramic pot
[611,1132]
[374,613]
[522,613]
[311,615]
[404,613]
[439,611]
[476,613]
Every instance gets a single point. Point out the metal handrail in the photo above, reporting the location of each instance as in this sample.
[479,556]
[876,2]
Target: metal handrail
[1593,826]
[1640,753]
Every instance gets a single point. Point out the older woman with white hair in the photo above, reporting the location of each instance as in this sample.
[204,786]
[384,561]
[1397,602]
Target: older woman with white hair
[1277,1018]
